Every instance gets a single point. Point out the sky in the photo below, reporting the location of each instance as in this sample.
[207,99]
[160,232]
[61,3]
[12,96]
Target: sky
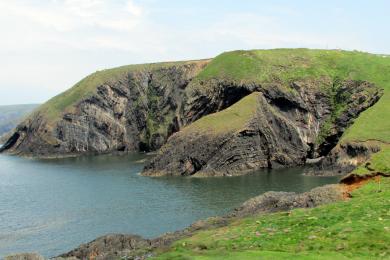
[46,46]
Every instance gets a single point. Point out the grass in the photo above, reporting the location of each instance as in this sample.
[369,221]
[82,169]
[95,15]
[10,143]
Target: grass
[358,228]
[229,119]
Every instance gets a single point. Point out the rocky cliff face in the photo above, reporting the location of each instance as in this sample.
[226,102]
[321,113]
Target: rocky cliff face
[239,112]
[136,112]
[285,127]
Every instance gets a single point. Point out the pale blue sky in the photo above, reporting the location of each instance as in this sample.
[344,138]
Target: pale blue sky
[48,45]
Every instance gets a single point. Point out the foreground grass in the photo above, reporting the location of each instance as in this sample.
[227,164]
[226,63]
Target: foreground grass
[358,228]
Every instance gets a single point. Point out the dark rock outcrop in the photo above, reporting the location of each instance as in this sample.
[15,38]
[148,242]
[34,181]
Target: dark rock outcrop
[283,201]
[289,125]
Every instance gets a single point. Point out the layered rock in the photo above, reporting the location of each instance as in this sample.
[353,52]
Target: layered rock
[135,112]
[278,127]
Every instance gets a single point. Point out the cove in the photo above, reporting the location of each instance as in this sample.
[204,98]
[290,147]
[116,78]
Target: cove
[52,206]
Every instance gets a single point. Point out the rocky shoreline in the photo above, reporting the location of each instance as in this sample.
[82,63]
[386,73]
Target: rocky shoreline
[114,246]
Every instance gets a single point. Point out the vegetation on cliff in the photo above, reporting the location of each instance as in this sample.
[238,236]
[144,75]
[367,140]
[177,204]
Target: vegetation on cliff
[288,65]
[277,69]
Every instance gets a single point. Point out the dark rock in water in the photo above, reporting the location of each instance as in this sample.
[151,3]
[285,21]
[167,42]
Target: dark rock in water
[283,129]
[111,247]
[283,201]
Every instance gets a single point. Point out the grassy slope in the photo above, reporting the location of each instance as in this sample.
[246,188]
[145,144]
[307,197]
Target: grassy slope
[229,119]
[287,65]
[358,228]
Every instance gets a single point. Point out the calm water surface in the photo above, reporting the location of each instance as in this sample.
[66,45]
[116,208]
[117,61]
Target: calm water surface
[52,206]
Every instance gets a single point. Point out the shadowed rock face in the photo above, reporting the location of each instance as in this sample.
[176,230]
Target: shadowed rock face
[286,128]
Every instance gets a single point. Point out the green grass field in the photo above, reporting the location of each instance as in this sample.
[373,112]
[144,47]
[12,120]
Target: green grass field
[358,228]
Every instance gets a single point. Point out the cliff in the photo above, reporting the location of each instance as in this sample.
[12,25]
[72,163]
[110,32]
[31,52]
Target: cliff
[132,108]
[268,129]
[309,104]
